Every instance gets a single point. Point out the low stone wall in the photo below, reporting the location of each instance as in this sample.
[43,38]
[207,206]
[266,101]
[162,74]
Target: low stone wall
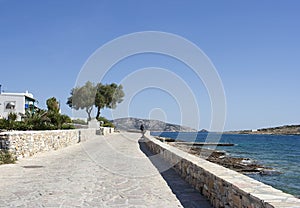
[27,143]
[106,130]
[223,187]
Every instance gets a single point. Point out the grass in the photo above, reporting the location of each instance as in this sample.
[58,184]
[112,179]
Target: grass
[6,157]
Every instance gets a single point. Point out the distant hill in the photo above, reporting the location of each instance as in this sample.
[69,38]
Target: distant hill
[287,129]
[151,125]
[280,130]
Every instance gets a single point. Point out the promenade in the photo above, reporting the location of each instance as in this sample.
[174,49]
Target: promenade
[106,171]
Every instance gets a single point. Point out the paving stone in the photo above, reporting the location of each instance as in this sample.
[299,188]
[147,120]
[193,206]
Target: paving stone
[105,171]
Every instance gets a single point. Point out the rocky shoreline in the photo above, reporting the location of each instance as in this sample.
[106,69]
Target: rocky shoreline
[239,164]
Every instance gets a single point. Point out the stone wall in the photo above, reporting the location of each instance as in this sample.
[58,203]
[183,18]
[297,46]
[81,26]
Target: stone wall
[27,143]
[223,187]
[106,130]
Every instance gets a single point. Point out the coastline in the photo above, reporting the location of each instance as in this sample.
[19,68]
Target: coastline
[279,152]
[260,133]
[238,164]
[246,166]
[221,185]
[280,130]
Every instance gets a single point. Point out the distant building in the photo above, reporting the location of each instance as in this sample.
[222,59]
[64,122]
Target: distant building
[17,103]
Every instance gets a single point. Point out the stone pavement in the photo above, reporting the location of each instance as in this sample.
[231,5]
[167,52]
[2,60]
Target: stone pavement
[110,171]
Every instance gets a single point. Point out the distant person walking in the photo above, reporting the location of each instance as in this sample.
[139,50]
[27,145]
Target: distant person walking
[142,128]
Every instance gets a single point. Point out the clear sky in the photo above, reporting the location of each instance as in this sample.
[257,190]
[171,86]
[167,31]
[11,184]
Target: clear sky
[254,45]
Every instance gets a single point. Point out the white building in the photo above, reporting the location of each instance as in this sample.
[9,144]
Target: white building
[17,103]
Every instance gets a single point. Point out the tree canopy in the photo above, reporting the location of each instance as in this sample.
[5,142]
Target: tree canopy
[53,114]
[52,105]
[83,98]
[108,96]
[100,95]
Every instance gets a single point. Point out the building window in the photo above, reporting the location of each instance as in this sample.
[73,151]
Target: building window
[11,105]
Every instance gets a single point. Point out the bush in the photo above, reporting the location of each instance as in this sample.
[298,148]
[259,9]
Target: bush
[12,116]
[106,123]
[20,126]
[3,123]
[41,119]
[6,157]
[67,126]
[79,121]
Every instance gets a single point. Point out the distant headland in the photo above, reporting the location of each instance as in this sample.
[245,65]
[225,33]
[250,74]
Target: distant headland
[150,125]
[280,130]
[160,126]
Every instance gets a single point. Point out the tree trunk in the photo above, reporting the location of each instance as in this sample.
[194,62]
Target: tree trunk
[89,111]
[98,113]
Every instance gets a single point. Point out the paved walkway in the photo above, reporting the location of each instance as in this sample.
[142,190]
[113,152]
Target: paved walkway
[111,171]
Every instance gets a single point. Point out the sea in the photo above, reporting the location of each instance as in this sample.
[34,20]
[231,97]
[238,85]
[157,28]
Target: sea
[280,152]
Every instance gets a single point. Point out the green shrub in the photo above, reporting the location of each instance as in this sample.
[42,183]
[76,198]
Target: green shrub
[40,119]
[106,123]
[3,123]
[20,126]
[67,126]
[6,157]
[12,116]
[79,121]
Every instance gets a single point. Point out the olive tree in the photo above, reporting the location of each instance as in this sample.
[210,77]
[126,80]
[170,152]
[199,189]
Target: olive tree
[83,98]
[108,96]
[101,96]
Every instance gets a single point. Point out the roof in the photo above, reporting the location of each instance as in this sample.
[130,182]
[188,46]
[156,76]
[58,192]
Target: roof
[26,94]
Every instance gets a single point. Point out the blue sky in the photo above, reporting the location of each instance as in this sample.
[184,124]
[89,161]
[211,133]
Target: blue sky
[254,45]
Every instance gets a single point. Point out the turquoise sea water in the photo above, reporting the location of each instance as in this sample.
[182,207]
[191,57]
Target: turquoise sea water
[279,152]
